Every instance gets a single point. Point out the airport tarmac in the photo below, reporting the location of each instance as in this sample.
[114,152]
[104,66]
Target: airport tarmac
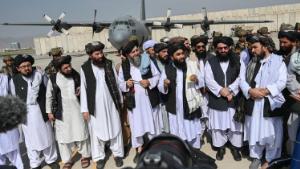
[226,163]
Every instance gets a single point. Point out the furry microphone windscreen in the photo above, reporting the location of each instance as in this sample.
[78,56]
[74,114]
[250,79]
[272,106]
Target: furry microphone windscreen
[13,112]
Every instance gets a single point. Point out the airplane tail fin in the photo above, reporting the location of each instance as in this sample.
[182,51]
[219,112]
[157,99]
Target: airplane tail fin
[143,12]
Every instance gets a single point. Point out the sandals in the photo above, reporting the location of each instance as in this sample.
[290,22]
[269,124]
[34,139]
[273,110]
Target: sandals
[68,165]
[85,162]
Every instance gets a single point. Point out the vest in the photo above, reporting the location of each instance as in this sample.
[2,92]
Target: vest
[170,97]
[267,112]
[91,85]
[21,89]
[153,93]
[56,106]
[232,72]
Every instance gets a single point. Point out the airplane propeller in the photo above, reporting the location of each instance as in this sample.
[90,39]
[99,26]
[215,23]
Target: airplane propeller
[57,25]
[94,27]
[168,25]
[205,25]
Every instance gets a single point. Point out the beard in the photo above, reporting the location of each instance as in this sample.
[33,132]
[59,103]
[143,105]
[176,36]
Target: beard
[222,56]
[67,75]
[260,56]
[286,50]
[28,74]
[99,63]
[164,61]
[180,65]
[136,61]
[201,55]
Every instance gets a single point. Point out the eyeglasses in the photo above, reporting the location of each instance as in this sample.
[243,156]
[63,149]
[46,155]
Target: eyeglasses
[25,66]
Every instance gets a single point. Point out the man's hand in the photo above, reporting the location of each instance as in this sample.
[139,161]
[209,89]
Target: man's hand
[229,97]
[224,92]
[77,91]
[145,83]
[129,83]
[298,92]
[194,78]
[296,97]
[256,93]
[86,116]
[51,117]
[166,83]
[265,91]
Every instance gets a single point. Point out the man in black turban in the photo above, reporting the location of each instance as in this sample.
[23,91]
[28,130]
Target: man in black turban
[101,104]
[198,44]
[24,63]
[222,47]
[28,84]
[222,80]
[161,52]
[63,107]
[287,44]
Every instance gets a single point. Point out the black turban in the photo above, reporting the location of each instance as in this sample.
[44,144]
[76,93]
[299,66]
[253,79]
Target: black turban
[197,39]
[62,60]
[223,39]
[126,49]
[264,41]
[90,48]
[159,47]
[290,35]
[19,59]
[173,47]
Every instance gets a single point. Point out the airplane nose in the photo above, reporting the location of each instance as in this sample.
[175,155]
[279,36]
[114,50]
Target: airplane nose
[118,37]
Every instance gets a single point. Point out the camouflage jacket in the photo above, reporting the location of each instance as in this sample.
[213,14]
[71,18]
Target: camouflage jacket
[7,70]
[50,69]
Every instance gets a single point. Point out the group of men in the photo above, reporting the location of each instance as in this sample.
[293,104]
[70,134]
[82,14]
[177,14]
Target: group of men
[178,87]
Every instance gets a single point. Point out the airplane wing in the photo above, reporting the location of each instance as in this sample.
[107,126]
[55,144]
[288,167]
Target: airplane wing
[217,22]
[27,24]
[102,24]
[161,23]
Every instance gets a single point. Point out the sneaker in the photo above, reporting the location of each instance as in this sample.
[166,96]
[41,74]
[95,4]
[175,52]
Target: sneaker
[255,164]
[100,164]
[119,161]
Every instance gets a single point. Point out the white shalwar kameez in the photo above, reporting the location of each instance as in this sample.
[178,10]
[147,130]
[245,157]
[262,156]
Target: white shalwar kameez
[38,133]
[189,130]
[72,129]
[105,125]
[221,121]
[264,132]
[9,141]
[204,107]
[143,119]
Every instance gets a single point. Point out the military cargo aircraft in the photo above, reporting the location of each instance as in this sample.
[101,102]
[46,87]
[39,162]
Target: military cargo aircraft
[121,29]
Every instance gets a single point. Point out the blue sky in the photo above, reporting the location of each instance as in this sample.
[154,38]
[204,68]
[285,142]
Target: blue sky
[82,10]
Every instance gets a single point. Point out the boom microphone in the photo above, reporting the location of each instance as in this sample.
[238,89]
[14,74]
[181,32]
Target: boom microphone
[13,111]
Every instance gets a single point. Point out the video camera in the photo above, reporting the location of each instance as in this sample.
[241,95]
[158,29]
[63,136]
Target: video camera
[167,151]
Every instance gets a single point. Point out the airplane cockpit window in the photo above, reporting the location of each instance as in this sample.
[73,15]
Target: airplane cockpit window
[131,22]
[122,23]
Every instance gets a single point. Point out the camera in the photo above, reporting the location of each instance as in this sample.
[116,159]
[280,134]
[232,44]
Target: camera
[167,151]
